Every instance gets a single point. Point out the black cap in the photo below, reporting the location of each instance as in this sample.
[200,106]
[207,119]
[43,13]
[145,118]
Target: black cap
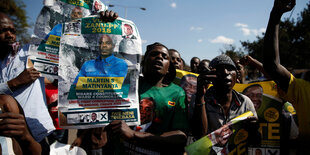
[221,60]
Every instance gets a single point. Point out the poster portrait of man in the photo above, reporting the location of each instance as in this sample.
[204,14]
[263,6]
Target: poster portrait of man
[106,64]
[189,84]
[255,93]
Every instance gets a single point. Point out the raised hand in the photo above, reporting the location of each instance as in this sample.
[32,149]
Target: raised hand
[203,80]
[282,6]
[108,16]
[246,60]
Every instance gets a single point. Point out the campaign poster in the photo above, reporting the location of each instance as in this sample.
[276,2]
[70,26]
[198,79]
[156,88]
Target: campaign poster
[99,66]
[269,108]
[44,50]
[59,11]
[188,81]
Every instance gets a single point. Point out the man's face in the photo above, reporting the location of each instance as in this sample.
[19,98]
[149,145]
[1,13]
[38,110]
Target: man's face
[203,67]
[76,13]
[255,93]
[241,72]
[258,152]
[194,65]
[106,46]
[7,32]
[226,76]
[147,111]
[157,61]
[176,60]
[190,87]
[93,116]
[128,29]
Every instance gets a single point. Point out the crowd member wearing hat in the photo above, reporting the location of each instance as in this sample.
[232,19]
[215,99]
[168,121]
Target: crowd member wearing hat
[166,134]
[219,104]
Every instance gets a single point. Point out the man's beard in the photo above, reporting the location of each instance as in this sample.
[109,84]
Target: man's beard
[8,48]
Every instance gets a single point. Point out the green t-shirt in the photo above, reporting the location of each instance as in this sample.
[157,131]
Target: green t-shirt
[171,114]
[171,108]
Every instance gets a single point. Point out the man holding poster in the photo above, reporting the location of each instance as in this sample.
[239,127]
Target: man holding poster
[166,133]
[216,106]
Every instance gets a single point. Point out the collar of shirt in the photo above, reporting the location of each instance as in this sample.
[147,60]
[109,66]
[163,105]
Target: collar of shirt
[106,60]
[236,100]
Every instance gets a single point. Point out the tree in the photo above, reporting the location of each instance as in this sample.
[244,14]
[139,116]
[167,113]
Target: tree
[254,49]
[15,9]
[232,52]
[294,42]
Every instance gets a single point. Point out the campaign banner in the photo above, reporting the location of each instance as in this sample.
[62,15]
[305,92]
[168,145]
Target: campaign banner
[188,81]
[99,66]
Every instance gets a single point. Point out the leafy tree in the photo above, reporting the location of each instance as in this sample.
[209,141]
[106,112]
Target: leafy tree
[294,42]
[15,9]
[254,49]
[232,52]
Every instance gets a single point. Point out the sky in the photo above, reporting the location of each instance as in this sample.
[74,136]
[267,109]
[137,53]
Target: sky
[200,28]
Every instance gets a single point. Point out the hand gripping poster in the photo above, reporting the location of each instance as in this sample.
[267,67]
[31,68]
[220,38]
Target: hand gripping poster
[265,137]
[275,126]
[99,67]
[44,50]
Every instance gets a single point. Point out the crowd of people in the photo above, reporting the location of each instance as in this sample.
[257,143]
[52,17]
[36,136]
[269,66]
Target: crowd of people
[166,122]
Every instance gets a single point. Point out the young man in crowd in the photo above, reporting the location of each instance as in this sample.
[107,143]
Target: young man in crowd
[176,59]
[294,90]
[203,66]
[167,132]
[219,104]
[194,64]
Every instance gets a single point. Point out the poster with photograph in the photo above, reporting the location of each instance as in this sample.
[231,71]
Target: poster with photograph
[99,66]
[208,142]
[44,50]
[59,11]
[188,81]
[272,123]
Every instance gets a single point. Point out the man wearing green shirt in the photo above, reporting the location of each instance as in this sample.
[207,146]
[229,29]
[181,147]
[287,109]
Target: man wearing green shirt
[166,134]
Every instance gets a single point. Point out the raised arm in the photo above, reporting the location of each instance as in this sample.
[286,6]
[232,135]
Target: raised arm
[249,61]
[200,119]
[271,56]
